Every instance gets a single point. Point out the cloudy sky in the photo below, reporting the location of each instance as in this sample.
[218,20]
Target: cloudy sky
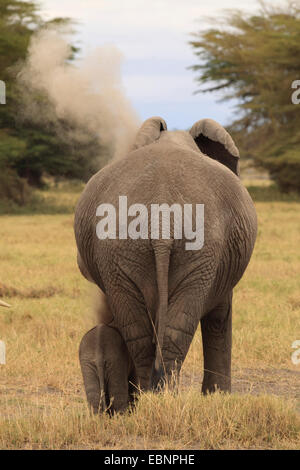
[153,38]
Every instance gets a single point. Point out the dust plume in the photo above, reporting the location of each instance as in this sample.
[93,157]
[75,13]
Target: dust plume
[87,98]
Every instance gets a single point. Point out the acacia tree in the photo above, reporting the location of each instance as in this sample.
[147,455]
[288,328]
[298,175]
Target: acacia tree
[255,59]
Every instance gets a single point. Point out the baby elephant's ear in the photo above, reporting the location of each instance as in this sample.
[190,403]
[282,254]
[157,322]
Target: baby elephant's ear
[215,142]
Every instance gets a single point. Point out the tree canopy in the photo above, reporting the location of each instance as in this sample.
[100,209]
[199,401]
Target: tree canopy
[256,59]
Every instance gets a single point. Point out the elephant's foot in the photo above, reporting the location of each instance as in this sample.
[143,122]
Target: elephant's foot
[166,376]
[107,370]
[158,379]
[212,383]
[216,339]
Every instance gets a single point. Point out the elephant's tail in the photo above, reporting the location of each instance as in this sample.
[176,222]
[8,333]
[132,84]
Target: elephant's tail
[162,258]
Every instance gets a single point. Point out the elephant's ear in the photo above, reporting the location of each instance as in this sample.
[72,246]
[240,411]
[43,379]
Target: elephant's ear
[149,132]
[213,140]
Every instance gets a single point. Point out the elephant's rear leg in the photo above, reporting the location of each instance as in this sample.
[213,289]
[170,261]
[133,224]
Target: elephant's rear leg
[216,329]
[107,369]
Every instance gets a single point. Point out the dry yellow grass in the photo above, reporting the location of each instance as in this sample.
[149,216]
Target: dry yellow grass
[42,403]
[183,420]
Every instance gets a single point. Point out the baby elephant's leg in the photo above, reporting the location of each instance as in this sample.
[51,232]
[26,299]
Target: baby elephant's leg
[106,368]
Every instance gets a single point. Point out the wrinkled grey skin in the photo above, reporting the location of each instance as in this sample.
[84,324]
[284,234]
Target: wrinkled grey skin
[156,292]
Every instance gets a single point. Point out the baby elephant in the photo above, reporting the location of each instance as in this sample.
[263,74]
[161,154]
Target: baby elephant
[165,233]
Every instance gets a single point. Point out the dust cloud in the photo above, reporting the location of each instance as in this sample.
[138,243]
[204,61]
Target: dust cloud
[87,97]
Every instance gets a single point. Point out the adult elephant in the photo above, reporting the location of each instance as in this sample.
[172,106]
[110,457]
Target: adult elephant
[156,291]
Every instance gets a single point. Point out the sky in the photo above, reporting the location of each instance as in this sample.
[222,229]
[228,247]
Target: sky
[153,38]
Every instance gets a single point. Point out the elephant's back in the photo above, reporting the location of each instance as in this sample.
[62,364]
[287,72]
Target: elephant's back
[158,175]
[161,173]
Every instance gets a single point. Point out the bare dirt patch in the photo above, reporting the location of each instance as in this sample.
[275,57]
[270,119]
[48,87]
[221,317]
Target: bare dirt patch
[280,382]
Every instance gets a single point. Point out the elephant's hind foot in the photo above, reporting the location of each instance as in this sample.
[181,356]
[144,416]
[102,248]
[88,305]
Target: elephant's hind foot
[216,339]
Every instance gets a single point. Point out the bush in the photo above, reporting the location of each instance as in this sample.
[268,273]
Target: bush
[13,187]
[285,171]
